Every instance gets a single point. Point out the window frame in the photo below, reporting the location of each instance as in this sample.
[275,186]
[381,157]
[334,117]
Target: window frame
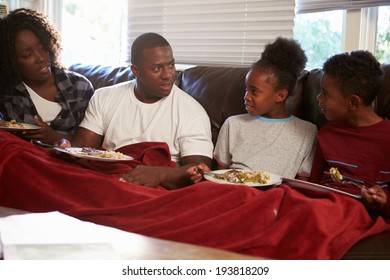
[365,18]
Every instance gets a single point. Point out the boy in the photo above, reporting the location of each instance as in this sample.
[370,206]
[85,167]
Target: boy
[356,141]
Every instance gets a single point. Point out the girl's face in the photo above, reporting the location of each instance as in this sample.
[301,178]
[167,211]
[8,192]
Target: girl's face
[331,101]
[260,96]
[32,59]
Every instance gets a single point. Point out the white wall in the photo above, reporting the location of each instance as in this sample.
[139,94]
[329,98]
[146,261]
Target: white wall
[49,7]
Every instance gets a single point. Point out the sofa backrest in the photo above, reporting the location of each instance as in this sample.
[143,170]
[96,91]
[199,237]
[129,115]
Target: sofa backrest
[221,90]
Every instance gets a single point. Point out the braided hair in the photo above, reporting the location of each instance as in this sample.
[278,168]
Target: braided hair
[10,25]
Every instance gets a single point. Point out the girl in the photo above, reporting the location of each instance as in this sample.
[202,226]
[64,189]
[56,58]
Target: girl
[268,138]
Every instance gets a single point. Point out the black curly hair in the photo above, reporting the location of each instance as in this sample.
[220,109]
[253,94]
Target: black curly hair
[146,41]
[10,25]
[357,73]
[285,60]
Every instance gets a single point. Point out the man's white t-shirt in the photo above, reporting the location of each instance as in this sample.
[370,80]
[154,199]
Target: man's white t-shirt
[178,119]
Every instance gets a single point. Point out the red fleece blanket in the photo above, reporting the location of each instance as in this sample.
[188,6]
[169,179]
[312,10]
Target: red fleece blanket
[278,223]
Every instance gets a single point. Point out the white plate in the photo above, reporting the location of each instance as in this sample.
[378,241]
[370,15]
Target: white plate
[275,179]
[28,127]
[74,152]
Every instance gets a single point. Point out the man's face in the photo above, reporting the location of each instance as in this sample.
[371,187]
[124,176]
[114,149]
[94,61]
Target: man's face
[32,59]
[156,74]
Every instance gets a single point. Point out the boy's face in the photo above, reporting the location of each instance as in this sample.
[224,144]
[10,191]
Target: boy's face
[331,101]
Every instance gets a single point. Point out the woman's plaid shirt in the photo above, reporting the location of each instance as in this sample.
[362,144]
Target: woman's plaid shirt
[73,97]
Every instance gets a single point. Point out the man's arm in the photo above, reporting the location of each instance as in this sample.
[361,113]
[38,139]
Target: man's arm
[84,138]
[170,178]
[194,160]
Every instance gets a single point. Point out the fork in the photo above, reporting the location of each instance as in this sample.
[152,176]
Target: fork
[350,182]
[210,173]
[345,181]
[337,177]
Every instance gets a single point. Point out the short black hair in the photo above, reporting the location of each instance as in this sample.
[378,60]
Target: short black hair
[144,42]
[285,60]
[357,72]
[10,25]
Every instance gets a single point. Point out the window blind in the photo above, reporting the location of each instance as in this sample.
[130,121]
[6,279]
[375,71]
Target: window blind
[213,32]
[312,6]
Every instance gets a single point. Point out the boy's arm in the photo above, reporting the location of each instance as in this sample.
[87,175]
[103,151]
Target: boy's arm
[385,211]
[318,167]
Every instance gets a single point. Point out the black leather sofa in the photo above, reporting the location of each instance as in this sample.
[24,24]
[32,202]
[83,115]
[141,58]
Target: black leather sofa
[220,90]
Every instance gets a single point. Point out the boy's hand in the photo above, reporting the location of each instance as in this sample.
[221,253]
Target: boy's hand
[374,197]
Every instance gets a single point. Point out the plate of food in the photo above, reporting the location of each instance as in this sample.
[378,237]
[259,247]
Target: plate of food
[13,125]
[94,154]
[250,178]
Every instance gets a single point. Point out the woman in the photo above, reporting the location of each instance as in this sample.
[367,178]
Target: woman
[34,87]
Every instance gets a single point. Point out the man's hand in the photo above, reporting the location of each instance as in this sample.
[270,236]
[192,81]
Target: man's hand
[194,174]
[153,176]
[149,176]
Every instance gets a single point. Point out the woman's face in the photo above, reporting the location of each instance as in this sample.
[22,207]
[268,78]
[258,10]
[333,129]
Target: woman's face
[32,59]
[260,96]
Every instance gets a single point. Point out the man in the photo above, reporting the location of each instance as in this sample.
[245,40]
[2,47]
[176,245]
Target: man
[149,108]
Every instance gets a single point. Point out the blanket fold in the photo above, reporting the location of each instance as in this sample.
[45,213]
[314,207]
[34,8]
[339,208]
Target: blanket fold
[278,223]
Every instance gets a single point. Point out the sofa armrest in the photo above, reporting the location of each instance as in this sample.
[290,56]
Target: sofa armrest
[375,247]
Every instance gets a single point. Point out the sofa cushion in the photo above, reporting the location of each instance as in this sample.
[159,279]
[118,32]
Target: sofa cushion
[375,247]
[382,102]
[311,88]
[102,76]
[220,90]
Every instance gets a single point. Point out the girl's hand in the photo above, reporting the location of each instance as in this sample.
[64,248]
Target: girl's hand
[374,197]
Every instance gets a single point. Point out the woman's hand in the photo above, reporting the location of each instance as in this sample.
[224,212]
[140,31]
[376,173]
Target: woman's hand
[63,143]
[44,134]
[374,197]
